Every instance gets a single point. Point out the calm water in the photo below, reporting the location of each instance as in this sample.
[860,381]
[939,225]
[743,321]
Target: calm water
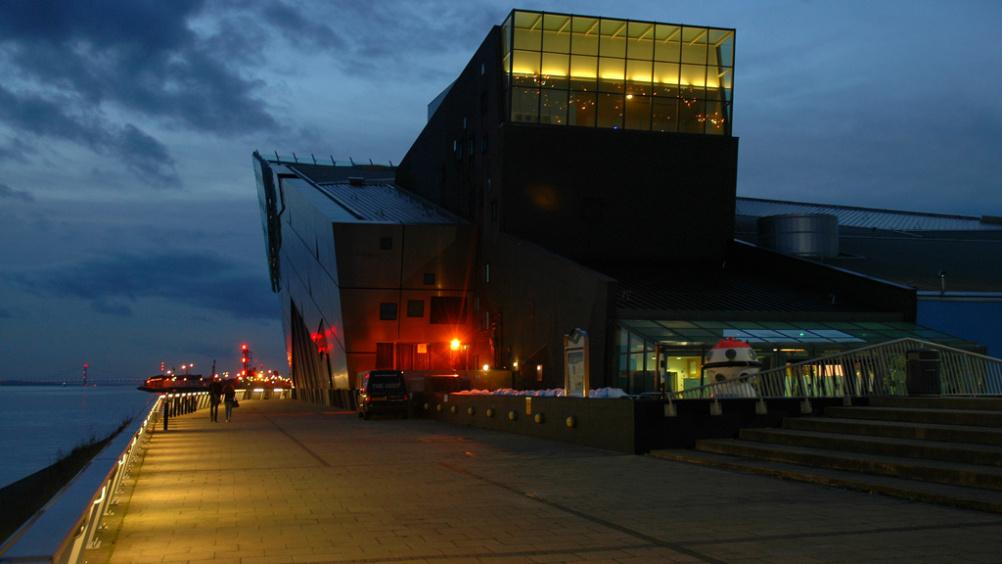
[40,424]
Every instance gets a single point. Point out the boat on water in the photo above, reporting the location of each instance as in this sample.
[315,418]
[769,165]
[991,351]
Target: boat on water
[168,382]
[249,377]
[198,383]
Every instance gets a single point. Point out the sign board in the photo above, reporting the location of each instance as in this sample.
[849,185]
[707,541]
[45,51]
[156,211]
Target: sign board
[576,363]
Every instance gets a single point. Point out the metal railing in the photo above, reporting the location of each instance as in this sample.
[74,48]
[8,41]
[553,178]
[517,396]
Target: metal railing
[69,522]
[886,369]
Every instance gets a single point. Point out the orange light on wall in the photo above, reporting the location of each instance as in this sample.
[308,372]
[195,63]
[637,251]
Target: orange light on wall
[454,345]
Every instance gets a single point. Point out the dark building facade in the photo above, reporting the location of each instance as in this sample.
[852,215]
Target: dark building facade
[579,174]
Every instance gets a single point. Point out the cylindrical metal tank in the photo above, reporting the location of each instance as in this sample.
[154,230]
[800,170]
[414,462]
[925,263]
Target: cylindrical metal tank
[813,235]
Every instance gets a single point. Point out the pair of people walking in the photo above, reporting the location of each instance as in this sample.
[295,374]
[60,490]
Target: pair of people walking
[227,393]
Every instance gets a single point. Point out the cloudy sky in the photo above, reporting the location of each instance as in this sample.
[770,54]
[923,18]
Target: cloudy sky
[129,227]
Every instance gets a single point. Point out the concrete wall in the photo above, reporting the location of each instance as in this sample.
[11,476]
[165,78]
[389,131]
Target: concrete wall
[623,425]
[600,423]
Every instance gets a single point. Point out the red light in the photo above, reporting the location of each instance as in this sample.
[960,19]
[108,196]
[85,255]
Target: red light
[243,347]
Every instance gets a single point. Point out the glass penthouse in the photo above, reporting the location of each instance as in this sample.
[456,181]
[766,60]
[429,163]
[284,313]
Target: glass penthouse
[620,74]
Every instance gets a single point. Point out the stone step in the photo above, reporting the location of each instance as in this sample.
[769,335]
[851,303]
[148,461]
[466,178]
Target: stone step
[943,494]
[938,402]
[974,418]
[968,475]
[985,455]
[932,432]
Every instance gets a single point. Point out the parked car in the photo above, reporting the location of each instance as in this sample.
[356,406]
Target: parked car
[382,391]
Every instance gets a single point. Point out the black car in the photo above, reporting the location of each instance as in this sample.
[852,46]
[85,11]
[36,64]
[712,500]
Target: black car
[382,391]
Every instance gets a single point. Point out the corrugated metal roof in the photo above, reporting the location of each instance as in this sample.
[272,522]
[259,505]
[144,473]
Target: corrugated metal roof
[867,217]
[385,203]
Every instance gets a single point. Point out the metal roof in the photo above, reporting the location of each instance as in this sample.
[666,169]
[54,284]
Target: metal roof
[386,203]
[851,216]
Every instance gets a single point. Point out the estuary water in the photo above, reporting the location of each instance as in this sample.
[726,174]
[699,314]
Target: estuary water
[41,424]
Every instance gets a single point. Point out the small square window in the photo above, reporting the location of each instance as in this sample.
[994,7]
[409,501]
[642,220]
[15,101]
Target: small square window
[386,243]
[429,278]
[387,311]
[415,308]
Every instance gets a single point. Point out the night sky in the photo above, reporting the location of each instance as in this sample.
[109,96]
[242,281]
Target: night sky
[129,226]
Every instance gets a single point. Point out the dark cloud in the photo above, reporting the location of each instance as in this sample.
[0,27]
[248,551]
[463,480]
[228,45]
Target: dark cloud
[49,118]
[148,158]
[113,284]
[362,38]
[140,54]
[12,194]
[75,68]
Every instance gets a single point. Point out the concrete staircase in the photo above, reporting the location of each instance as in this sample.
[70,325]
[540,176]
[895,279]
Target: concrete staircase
[934,449]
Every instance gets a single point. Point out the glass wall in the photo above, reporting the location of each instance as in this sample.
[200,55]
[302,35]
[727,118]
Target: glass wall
[675,349]
[619,74]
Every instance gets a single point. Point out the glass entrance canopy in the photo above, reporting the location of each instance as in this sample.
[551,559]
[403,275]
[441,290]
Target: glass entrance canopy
[621,74]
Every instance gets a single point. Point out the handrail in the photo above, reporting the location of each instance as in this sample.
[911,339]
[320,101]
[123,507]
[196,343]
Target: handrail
[69,522]
[875,370]
[67,525]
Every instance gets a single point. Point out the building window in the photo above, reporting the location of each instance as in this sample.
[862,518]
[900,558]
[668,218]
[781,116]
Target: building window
[494,209]
[386,243]
[446,310]
[387,311]
[487,272]
[415,308]
[604,72]
[429,278]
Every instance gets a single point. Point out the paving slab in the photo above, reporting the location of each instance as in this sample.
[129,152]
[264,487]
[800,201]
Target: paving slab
[287,482]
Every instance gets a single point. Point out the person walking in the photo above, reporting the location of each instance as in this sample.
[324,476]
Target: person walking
[230,399]
[215,394]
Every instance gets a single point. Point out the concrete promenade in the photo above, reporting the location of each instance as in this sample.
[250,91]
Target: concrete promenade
[287,481]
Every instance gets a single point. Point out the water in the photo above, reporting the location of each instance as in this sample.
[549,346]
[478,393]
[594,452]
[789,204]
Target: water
[40,424]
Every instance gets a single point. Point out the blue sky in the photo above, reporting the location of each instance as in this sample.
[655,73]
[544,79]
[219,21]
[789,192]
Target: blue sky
[129,228]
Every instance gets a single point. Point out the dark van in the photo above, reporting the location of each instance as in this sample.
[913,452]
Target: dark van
[381,391]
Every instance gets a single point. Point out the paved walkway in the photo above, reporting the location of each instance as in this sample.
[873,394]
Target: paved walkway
[287,481]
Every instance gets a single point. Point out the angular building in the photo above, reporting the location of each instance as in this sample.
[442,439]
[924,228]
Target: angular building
[579,176]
